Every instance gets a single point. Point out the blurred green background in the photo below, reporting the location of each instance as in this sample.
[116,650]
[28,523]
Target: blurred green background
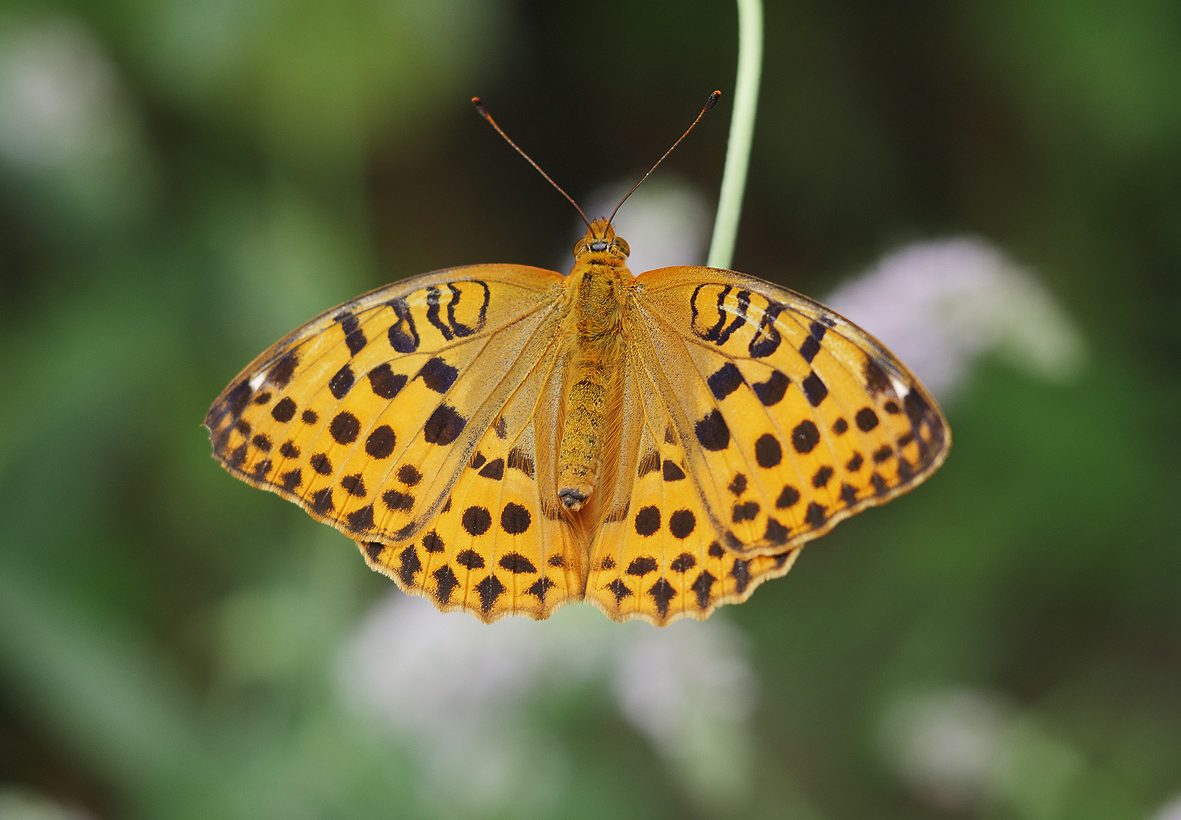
[181,183]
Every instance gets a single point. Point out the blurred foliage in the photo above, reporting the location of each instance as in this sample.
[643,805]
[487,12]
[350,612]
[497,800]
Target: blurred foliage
[181,183]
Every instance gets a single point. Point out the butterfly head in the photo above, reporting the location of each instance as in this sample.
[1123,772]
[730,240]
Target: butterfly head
[600,245]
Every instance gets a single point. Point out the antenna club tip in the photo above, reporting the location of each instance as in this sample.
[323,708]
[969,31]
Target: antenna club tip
[713,98]
[478,103]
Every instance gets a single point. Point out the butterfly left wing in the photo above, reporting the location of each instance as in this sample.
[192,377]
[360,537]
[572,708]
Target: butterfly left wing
[783,419]
[658,555]
[818,416]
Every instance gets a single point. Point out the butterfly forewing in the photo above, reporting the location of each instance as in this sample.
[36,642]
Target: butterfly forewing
[367,414]
[794,418]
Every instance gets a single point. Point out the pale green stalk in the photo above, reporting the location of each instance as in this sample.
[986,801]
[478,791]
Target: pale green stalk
[742,126]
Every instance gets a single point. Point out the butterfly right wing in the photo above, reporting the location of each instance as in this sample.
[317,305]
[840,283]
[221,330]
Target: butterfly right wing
[499,545]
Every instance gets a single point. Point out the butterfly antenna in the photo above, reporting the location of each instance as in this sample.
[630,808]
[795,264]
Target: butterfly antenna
[483,112]
[709,103]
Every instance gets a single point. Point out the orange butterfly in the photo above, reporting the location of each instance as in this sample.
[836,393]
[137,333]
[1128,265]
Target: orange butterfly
[504,439]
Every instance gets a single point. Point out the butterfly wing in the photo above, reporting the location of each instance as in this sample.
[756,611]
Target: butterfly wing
[781,418]
[657,555]
[498,545]
[374,416]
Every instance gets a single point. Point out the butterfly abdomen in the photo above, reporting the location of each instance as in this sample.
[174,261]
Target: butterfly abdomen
[594,357]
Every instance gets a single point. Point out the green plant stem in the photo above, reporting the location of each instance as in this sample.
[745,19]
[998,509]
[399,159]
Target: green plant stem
[742,126]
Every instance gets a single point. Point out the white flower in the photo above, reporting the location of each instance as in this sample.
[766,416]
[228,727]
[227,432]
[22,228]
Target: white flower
[465,696]
[941,305]
[61,99]
[944,745]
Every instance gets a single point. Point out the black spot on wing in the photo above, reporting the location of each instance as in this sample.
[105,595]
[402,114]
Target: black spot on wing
[233,404]
[356,341]
[815,390]
[737,485]
[540,587]
[437,375]
[470,559]
[672,471]
[493,469]
[516,563]
[361,519]
[713,432]
[771,391]
[768,452]
[805,436]
[345,427]
[444,425]
[284,410]
[725,381]
[809,349]
[746,511]
[848,495]
[642,565]
[476,520]
[866,419]
[702,586]
[408,565]
[489,590]
[788,497]
[445,583]
[775,533]
[815,515]
[647,521]
[321,502]
[380,443]
[662,593]
[741,574]
[619,590]
[384,382]
[282,371]
[515,519]
[354,485]
[682,523]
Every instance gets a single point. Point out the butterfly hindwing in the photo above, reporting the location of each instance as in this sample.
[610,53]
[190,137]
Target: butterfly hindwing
[498,544]
[658,555]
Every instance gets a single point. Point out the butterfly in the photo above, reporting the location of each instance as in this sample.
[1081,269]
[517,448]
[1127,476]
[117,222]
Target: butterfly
[503,439]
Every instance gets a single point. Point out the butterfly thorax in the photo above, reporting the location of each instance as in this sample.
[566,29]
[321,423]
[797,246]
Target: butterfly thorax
[596,287]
